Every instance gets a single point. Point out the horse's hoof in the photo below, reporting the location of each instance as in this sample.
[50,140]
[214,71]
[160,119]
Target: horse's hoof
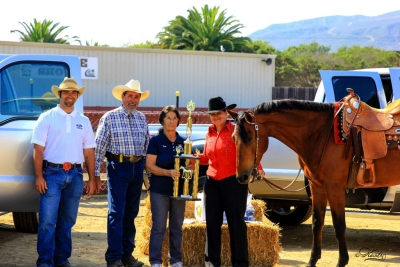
[310,264]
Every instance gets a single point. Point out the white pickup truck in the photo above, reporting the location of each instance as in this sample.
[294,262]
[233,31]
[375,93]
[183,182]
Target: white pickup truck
[24,79]
[377,87]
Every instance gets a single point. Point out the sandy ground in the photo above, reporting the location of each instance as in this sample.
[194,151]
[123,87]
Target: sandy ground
[375,231]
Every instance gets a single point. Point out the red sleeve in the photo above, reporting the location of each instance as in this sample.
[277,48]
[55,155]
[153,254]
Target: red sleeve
[259,167]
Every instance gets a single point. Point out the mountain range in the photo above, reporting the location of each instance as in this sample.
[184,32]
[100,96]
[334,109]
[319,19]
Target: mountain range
[381,31]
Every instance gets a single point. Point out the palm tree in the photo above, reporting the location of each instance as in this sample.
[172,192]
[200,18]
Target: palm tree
[44,32]
[205,31]
[95,44]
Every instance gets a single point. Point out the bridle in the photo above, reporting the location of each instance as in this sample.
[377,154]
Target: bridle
[254,171]
[271,184]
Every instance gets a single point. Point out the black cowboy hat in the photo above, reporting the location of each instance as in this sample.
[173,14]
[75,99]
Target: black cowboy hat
[216,104]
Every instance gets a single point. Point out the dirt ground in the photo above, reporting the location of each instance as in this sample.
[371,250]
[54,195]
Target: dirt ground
[377,232]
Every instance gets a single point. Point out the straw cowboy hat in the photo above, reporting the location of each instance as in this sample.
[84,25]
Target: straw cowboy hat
[47,100]
[216,104]
[68,84]
[131,86]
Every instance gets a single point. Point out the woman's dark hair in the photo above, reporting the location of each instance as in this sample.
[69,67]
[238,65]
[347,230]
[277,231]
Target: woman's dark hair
[167,109]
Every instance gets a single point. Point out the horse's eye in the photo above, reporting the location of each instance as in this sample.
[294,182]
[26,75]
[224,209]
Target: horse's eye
[250,139]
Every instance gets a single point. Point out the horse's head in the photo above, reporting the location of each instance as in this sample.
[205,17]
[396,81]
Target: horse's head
[249,146]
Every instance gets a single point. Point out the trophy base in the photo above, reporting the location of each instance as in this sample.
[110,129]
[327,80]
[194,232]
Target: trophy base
[185,198]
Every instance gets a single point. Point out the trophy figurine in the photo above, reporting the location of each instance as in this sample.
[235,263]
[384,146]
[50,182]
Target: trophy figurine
[187,173]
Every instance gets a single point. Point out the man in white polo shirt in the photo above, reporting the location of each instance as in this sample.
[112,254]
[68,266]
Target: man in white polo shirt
[61,137]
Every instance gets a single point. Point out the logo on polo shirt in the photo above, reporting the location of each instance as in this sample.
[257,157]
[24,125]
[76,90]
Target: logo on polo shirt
[180,148]
[79,126]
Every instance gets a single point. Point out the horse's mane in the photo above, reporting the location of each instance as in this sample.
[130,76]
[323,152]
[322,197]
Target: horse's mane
[281,106]
[290,104]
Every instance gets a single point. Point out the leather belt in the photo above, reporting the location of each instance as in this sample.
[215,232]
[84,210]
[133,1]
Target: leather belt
[122,158]
[66,165]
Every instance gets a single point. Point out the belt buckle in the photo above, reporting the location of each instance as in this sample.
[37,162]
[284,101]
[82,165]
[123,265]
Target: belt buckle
[67,166]
[133,159]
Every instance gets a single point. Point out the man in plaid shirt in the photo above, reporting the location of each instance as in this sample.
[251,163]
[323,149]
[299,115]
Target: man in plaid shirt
[122,137]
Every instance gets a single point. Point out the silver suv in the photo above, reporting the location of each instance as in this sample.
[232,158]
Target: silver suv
[24,79]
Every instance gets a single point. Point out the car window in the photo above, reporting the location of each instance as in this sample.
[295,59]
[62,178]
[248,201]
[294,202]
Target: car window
[363,86]
[26,87]
[387,87]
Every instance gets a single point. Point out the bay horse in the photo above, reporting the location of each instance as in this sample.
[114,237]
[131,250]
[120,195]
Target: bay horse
[306,128]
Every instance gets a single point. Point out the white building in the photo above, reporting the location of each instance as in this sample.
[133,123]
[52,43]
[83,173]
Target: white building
[244,79]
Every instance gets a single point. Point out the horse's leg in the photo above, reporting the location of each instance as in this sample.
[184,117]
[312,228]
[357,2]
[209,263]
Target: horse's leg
[319,202]
[336,200]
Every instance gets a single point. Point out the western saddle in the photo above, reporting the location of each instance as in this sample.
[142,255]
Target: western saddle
[379,130]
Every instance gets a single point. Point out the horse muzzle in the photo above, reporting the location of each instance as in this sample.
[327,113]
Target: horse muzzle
[245,179]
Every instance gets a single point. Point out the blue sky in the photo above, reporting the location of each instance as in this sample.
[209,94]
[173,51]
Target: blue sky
[120,22]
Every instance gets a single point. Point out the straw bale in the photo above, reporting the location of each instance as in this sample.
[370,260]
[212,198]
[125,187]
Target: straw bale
[189,210]
[263,240]
[259,209]
[147,213]
[142,241]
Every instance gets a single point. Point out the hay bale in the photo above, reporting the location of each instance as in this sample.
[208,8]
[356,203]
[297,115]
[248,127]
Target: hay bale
[189,210]
[259,209]
[142,241]
[263,239]
[264,245]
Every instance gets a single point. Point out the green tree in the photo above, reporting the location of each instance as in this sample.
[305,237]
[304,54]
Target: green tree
[44,32]
[259,47]
[95,44]
[357,57]
[300,65]
[207,30]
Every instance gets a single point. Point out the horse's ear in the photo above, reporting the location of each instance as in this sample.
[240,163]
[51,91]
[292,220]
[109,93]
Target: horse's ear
[248,117]
[232,113]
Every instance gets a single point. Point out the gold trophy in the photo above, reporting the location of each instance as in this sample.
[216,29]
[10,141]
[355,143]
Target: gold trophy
[187,173]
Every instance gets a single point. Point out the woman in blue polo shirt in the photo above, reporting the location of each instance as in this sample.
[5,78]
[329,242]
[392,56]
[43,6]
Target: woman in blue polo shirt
[160,163]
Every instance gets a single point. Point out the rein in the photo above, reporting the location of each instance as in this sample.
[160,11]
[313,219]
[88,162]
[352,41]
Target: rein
[271,184]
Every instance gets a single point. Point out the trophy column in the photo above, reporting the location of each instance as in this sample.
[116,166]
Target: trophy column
[187,173]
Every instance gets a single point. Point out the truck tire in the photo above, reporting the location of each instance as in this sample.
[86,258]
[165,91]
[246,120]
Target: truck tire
[290,216]
[26,222]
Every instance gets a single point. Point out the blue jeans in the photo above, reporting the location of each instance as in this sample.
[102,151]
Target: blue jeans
[124,189]
[160,206]
[58,210]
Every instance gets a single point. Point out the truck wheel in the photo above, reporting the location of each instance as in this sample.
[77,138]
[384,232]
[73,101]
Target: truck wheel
[290,216]
[26,222]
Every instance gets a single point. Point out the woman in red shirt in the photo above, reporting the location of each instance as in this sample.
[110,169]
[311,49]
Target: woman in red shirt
[222,191]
